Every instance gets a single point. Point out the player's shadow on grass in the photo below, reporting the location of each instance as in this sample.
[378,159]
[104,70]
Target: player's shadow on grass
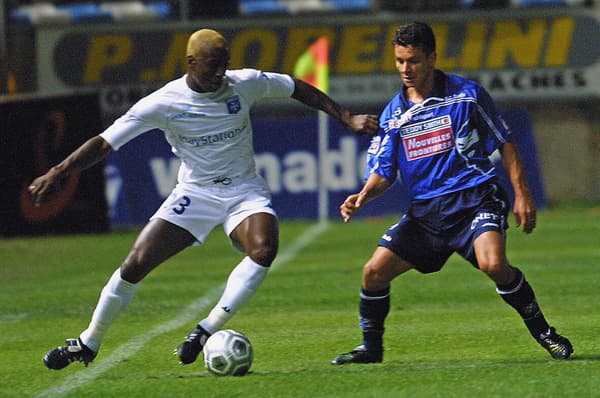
[584,357]
[393,365]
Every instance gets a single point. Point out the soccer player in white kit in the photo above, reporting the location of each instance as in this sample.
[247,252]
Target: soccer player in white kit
[205,118]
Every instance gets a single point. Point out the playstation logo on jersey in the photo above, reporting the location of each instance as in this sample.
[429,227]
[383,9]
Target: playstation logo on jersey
[233,104]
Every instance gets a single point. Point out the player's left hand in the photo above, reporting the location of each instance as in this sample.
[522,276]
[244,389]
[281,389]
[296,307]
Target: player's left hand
[364,124]
[525,213]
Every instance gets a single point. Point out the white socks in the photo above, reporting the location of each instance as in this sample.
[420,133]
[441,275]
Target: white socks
[243,281]
[115,296]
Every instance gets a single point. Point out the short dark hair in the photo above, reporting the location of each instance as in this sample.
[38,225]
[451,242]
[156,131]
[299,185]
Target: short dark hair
[416,34]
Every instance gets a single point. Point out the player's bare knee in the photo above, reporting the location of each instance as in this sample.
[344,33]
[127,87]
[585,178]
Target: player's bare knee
[374,276]
[498,271]
[263,254]
[490,268]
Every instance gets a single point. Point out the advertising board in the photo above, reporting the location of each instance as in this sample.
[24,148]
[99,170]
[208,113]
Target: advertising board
[143,172]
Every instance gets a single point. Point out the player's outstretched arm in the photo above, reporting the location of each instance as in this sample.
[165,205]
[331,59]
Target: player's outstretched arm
[315,98]
[374,187]
[524,207]
[88,154]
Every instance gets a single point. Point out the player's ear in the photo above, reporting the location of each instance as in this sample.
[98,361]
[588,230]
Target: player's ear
[432,58]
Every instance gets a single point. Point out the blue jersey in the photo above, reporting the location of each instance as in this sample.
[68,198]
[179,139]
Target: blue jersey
[441,145]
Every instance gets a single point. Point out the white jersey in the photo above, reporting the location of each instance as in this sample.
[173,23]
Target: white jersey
[210,132]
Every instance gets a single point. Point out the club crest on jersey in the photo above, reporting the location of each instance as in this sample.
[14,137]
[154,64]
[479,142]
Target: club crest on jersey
[233,104]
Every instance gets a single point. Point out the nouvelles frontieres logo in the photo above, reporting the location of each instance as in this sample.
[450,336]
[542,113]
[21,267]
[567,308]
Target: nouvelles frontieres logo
[427,138]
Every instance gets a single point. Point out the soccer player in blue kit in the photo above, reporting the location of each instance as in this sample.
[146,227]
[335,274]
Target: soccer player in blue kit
[205,117]
[437,133]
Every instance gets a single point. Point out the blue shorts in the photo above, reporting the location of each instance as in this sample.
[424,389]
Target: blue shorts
[433,229]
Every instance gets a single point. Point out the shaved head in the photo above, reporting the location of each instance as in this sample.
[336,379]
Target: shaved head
[204,41]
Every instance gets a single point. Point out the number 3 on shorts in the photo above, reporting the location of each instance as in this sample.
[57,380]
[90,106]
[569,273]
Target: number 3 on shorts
[185,202]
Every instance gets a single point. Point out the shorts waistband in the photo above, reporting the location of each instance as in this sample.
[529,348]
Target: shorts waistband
[224,182]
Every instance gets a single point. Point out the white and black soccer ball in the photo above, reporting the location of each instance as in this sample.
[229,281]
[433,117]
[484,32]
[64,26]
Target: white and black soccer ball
[228,353]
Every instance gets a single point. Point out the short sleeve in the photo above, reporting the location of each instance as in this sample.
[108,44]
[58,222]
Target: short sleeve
[142,117]
[381,157]
[255,84]
[490,122]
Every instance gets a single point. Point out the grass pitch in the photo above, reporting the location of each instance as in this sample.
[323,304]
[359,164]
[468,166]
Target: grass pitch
[448,334]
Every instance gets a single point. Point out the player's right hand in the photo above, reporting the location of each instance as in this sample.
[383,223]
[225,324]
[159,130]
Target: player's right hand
[40,188]
[350,206]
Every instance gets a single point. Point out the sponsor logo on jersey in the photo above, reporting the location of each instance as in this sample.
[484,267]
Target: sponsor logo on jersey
[212,138]
[400,118]
[188,115]
[233,104]
[422,116]
[427,138]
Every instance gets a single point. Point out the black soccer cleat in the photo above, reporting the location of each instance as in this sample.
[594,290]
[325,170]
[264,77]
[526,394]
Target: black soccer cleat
[62,356]
[558,346]
[189,350]
[358,355]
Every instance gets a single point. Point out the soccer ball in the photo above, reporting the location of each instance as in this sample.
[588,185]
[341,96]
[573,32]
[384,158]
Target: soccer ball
[228,353]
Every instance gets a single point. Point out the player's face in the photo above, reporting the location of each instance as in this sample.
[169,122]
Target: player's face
[206,71]
[416,68]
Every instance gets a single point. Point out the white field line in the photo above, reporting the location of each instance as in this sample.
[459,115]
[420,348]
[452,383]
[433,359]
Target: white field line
[187,315]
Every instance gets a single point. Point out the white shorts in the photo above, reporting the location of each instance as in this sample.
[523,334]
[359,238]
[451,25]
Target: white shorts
[199,209]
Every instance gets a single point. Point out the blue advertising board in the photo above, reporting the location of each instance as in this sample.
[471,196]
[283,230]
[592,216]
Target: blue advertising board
[143,172]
